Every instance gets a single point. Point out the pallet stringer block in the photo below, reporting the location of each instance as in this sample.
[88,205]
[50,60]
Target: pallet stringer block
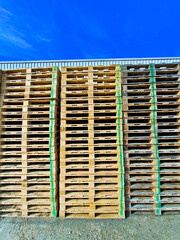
[24,143]
[154,140]
[91,143]
[62,144]
[125,137]
[120,155]
[2,91]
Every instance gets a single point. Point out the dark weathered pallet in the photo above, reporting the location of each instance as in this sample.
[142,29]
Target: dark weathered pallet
[140,96]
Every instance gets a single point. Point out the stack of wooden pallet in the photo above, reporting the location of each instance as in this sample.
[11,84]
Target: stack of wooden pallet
[167,88]
[151,97]
[29,142]
[119,141]
[91,159]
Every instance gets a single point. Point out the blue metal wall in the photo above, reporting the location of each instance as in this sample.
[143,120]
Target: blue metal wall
[94,62]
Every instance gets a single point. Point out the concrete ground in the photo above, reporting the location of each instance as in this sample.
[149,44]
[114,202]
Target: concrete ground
[143,227]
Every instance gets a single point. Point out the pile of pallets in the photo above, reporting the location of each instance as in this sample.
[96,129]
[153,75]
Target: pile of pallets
[116,127]
[151,133]
[91,159]
[29,142]
[167,78]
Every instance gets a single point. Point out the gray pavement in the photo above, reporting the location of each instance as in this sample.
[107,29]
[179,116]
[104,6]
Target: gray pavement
[145,227]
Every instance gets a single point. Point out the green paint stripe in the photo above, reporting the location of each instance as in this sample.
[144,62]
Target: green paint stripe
[54,214]
[120,145]
[158,210]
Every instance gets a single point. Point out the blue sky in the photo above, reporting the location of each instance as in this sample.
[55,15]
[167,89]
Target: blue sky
[56,29]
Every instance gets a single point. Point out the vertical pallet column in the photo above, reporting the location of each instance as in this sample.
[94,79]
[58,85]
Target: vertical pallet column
[119,120]
[42,182]
[24,142]
[74,145]
[107,142]
[13,87]
[53,142]
[168,123]
[62,178]
[156,165]
[45,89]
[2,90]
[91,142]
[125,139]
[138,135]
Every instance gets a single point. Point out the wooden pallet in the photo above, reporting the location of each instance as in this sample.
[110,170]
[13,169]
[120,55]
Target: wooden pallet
[151,138]
[91,157]
[29,142]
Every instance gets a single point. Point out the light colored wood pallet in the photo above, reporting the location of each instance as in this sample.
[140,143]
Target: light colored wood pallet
[81,81]
[27,95]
